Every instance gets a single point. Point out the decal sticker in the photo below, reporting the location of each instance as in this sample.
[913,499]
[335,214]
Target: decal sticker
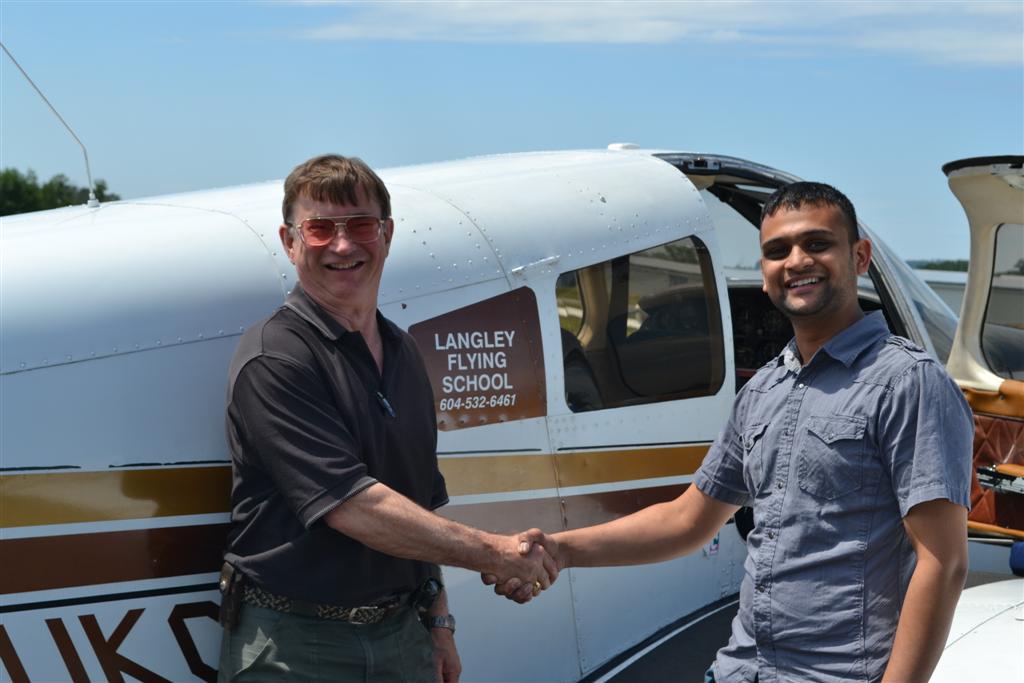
[712,547]
[485,361]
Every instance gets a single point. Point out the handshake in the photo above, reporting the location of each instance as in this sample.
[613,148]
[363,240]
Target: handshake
[532,568]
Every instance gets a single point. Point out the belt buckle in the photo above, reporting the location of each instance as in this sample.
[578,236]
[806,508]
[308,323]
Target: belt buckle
[369,614]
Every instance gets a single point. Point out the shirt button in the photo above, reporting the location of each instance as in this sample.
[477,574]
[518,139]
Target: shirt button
[800,386]
[778,485]
[771,534]
[760,589]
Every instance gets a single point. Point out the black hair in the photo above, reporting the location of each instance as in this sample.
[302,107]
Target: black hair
[796,195]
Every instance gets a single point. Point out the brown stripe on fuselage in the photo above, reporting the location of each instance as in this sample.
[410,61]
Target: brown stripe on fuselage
[69,497]
[598,508]
[49,562]
[46,562]
[37,499]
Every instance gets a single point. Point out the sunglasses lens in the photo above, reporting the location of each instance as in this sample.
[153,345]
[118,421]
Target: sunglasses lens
[318,231]
[362,228]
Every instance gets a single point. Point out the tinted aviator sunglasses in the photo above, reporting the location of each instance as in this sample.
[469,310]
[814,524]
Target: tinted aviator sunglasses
[320,231]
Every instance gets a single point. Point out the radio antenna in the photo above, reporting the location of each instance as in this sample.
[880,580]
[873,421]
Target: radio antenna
[93,202]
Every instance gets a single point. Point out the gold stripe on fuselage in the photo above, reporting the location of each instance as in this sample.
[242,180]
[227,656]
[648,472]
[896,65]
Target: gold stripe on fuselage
[36,499]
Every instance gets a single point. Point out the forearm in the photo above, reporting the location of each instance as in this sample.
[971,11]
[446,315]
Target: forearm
[656,533]
[924,622]
[938,532]
[392,524]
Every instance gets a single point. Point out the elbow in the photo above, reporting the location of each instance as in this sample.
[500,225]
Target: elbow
[958,570]
[950,571]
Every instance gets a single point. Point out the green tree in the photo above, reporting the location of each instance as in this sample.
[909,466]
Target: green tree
[21,192]
[940,264]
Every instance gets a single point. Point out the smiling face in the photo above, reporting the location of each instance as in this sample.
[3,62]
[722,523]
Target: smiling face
[810,268]
[343,276]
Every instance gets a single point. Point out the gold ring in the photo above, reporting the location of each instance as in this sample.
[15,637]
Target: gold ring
[536,586]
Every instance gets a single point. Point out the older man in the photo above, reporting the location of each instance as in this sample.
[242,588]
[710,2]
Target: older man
[854,448]
[332,555]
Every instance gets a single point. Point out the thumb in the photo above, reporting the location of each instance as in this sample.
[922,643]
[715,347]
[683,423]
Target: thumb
[528,538]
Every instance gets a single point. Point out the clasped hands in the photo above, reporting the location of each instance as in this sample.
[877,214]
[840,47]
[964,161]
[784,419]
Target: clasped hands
[533,568]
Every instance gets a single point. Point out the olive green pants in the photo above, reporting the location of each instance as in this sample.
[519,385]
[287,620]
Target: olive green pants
[273,646]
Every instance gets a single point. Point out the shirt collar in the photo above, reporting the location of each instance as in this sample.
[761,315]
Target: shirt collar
[845,346]
[313,313]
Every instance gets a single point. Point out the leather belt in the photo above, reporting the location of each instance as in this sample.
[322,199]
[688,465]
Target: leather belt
[368,614]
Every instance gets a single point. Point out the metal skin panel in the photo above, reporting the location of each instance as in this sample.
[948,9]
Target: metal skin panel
[78,643]
[501,641]
[126,278]
[580,207]
[435,248]
[160,406]
[985,638]
[670,589]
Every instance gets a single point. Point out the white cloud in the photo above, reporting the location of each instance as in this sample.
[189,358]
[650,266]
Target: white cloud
[985,32]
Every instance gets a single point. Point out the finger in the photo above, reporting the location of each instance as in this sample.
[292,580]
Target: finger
[507,588]
[524,594]
[551,567]
[541,572]
[489,579]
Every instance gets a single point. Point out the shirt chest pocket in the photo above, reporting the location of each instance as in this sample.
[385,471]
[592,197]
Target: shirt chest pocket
[831,462]
[753,455]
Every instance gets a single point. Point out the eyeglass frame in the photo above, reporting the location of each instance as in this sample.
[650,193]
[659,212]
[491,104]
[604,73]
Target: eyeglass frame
[340,223]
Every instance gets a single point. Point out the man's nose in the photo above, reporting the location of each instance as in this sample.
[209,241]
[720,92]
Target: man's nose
[341,242]
[798,259]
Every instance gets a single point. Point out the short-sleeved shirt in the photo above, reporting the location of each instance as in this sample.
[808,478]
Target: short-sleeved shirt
[311,422]
[832,455]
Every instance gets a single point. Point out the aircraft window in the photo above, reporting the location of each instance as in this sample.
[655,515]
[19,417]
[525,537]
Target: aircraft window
[737,236]
[1002,340]
[939,321]
[652,329]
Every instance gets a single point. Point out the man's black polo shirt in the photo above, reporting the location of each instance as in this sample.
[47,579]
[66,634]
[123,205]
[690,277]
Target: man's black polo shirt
[307,431]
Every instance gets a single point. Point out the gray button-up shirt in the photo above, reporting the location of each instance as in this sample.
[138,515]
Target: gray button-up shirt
[832,455]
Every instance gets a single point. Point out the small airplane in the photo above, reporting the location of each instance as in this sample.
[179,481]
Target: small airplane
[586,318]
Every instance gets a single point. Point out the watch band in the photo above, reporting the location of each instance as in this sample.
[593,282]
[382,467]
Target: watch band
[447,621]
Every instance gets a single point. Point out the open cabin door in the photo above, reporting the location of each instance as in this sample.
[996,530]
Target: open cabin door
[987,358]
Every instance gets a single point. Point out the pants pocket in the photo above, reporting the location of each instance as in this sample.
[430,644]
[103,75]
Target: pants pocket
[249,652]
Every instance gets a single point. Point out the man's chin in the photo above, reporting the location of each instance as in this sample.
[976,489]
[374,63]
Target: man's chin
[805,309]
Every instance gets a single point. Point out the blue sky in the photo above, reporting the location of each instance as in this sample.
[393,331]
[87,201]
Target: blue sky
[870,96]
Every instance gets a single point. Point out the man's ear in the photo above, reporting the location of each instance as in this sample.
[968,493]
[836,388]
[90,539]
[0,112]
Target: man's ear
[287,241]
[862,255]
[389,231]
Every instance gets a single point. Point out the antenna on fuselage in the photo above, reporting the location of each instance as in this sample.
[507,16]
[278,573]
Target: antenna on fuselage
[93,202]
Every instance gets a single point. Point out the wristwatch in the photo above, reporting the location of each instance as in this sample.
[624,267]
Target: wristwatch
[447,621]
